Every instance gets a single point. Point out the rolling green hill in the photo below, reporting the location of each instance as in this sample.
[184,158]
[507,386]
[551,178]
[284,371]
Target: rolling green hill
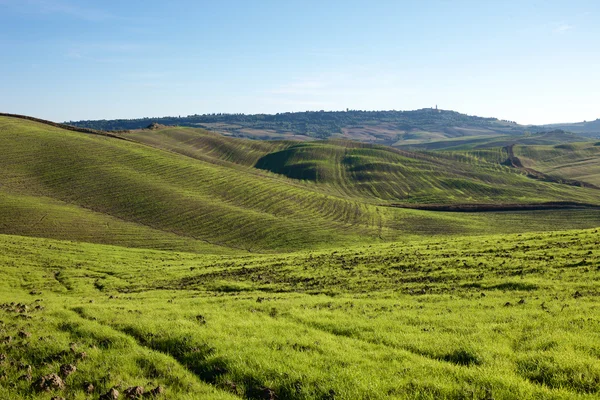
[169,192]
[225,268]
[369,173]
[580,161]
[483,142]
[188,189]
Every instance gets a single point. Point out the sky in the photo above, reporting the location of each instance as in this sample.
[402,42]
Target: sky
[533,62]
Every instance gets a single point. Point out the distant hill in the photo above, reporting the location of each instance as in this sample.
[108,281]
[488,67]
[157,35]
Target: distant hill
[381,127]
[485,142]
[586,128]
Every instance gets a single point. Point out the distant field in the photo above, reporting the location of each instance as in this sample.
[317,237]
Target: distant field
[487,141]
[380,127]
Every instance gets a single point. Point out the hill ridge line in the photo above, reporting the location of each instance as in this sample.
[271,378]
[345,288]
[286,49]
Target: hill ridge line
[63,126]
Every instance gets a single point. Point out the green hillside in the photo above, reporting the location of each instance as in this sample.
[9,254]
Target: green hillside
[369,173]
[225,268]
[186,189]
[205,145]
[168,192]
[40,216]
[580,161]
[483,142]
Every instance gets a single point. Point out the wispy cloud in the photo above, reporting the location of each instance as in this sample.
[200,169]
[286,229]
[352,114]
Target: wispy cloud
[145,76]
[67,8]
[74,54]
[300,87]
[563,27]
[337,88]
[149,79]
[105,52]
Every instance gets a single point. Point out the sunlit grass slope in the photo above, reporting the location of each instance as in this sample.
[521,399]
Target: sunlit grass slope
[384,173]
[351,300]
[374,174]
[499,317]
[186,190]
[484,142]
[172,193]
[580,161]
[46,217]
[205,145]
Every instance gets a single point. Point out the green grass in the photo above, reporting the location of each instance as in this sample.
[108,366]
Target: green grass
[188,190]
[222,268]
[168,192]
[580,161]
[40,216]
[368,173]
[473,317]
[486,142]
[205,145]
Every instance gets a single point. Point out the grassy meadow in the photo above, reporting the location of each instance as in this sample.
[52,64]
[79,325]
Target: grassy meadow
[509,316]
[208,267]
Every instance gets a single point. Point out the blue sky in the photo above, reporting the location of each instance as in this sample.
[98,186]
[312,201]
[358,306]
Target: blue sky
[528,61]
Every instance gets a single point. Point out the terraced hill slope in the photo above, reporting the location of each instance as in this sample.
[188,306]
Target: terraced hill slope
[190,190]
[370,173]
[168,192]
[484,142]
[580,161]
